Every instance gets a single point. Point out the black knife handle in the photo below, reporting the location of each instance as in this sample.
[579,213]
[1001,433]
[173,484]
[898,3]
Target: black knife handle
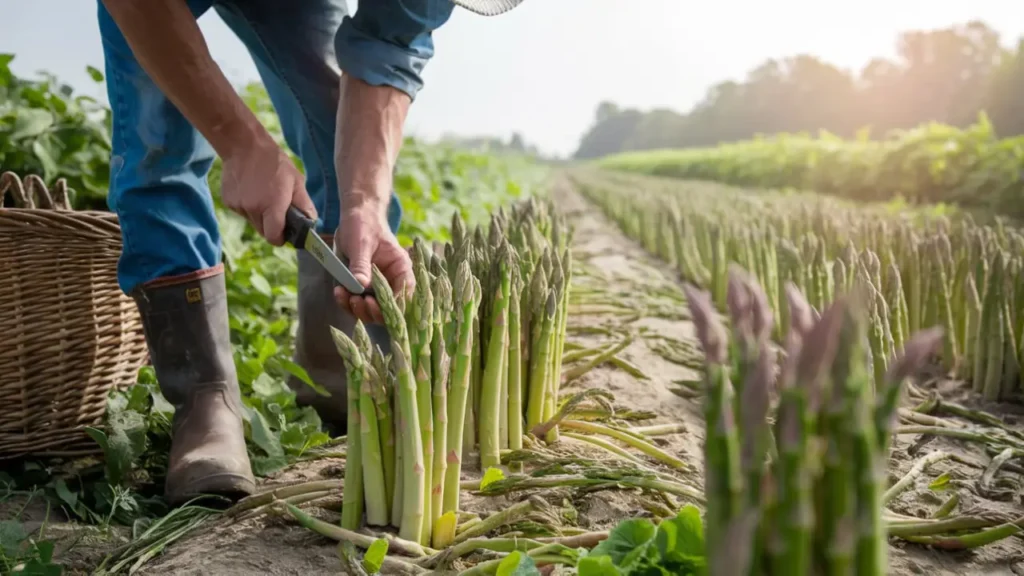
[296,226]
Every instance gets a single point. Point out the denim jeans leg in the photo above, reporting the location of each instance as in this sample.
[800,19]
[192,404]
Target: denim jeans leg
[158,170]
[292,45]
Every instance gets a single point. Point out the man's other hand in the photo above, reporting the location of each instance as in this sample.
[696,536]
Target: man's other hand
[365,238]
[259,182]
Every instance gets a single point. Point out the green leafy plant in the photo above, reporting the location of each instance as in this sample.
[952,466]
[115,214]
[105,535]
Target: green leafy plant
[48,130]
[637,547]
[20,553]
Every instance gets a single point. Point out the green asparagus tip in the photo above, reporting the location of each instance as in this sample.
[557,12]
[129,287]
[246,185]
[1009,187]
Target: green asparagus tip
[710,331]
[347,348]
[464,284]
[389,306]
[362,340]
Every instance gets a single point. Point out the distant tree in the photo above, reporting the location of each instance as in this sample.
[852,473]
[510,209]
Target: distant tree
[610,135]
[515,143]
[945,75]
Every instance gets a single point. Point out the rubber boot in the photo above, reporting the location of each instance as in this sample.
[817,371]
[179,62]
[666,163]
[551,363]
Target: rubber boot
[315,350]
[185,319]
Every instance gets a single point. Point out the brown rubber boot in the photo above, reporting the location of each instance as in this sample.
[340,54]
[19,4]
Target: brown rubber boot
[314,346]
[185,319]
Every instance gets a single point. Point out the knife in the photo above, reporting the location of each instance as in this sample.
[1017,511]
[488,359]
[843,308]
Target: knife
[299,231]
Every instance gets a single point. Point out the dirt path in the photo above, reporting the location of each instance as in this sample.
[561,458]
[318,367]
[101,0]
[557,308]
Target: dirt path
[619,291]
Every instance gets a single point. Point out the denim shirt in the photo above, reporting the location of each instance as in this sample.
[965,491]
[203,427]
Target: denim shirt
[388,42]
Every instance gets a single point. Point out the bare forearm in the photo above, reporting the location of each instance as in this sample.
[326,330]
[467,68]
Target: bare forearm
[167,42]
[368,140]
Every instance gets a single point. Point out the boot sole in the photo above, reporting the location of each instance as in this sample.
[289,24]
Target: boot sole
[231,486]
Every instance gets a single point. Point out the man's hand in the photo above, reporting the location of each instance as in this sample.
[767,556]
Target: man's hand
[367,142]
[260,182]
[365,238]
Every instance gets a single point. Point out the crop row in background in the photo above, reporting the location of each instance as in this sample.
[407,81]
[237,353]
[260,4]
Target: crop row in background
[921,270]
[931,163]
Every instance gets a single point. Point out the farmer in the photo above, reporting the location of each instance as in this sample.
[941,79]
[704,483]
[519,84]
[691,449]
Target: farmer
[174,111]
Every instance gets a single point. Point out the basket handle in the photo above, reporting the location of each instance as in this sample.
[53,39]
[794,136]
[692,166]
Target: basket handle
[32,193]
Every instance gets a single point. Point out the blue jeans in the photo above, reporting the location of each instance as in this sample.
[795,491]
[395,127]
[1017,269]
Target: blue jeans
[160,163]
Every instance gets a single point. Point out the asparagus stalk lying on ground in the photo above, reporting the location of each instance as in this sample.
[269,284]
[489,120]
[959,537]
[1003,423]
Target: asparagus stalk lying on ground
[817,509]
[474,362]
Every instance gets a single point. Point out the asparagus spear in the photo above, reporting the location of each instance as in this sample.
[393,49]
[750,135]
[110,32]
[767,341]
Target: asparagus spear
[514,393]
[412,468]
[551,396]
[496,360]
[440,356]
[420,323]
[369,437]
[540,364]
[465,307]
[352,500]
[386,420]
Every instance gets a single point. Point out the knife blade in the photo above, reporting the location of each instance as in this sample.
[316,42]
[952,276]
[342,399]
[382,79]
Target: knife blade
[299,231]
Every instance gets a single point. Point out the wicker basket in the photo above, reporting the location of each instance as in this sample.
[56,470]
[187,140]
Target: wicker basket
[69,335]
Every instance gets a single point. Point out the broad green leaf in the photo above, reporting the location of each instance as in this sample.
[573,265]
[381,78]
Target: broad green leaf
[259,282]
[300,373]
[374,557]
[267,349]
[94,73]
[42,153]
[597,566]
[517,564]
[628,542]
[262,435]
[293,438]
[267,465]
[97,436]
[45,551]
[444,529]
[490,476]
[12,534]
[160,404]
[681,539]
[266,386]
[30,122]
[65,494]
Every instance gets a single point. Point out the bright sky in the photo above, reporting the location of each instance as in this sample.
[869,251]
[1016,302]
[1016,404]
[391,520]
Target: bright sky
[543,68]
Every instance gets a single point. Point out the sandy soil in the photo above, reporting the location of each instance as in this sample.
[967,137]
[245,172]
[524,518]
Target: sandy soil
[608,268]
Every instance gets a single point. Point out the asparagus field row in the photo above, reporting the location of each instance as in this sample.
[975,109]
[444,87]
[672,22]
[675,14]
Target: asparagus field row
[475,353]
[923,270]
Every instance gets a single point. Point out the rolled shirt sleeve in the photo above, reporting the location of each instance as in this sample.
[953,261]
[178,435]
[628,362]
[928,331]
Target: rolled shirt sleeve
[389,42]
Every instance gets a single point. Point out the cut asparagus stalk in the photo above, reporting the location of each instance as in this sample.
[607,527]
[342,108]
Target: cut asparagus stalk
[413,488]
[465,305]
[440,356]
[353,498]
[376,503]
[495,362]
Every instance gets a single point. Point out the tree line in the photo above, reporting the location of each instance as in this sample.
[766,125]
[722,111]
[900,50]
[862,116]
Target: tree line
[946,75]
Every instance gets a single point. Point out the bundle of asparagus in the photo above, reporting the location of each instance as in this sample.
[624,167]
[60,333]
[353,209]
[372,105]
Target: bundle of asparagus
[802,496]
[474,357]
